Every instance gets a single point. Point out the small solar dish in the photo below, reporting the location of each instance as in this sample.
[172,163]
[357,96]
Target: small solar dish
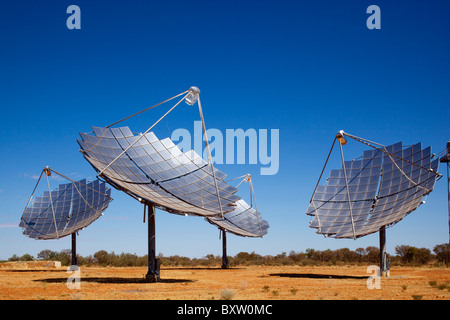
[65,210]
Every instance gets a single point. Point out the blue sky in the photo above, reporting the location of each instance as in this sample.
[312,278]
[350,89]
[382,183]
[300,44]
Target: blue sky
[307,68]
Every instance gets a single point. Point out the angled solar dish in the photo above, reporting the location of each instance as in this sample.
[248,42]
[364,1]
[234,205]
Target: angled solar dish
[373,192]
[378,190]
[65,210]
[243,221]
[159,175]
[157,171]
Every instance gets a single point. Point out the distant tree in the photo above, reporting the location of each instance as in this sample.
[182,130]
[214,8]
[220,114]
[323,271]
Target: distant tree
[327,256]
[310,253]
[361,252]
[402,252]
[405,254]
[26,257]
[45,254]
[127,260]
[411,255]
[442,252]
[64,256]
[346,255]
[279,258]
[423,255]
[373,254]
[102,257]
[242,258]
[296,257]
[245,258]
[14,257]
[89,260]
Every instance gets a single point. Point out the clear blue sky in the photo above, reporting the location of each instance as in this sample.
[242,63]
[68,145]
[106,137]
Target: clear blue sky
[307,68]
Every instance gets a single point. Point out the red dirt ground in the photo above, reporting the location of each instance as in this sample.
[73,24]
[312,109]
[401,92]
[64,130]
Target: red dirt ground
[34,281]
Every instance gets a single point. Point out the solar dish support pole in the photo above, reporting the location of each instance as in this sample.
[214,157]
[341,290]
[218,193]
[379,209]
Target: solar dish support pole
[153,263]
[74,249]
[225,262]
[448,192]
[446,159]
[384,268]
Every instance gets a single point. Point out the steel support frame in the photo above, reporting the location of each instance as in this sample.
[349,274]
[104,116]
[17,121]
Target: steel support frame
[384,263]
[153,273]
[448,195]
[446,159]
[225,261]
[74,249]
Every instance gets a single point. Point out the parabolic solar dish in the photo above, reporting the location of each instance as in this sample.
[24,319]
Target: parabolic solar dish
[243,221]
[378,190]
[158,171]
[158,174]
[69,208]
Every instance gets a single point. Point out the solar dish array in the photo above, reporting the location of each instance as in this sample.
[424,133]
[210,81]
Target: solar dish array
[158,171]
[70,207]
[243,221]
[383,189]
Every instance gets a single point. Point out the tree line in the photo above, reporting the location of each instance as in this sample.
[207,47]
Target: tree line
[404,255]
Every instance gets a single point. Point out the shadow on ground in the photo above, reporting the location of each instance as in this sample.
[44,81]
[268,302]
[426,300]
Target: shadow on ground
[34,270]
[114,280]
[316,276]
[199,268]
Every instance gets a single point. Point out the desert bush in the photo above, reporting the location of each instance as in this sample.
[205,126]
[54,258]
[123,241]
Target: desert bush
[442,252]
[405,255]
[227,294]
[412,255]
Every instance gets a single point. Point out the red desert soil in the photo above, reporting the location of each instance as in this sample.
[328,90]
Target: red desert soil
[36,281]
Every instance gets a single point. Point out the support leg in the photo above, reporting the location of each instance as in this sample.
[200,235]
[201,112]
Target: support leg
[74,249]
[153,263]
[384,268]
[225,262]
